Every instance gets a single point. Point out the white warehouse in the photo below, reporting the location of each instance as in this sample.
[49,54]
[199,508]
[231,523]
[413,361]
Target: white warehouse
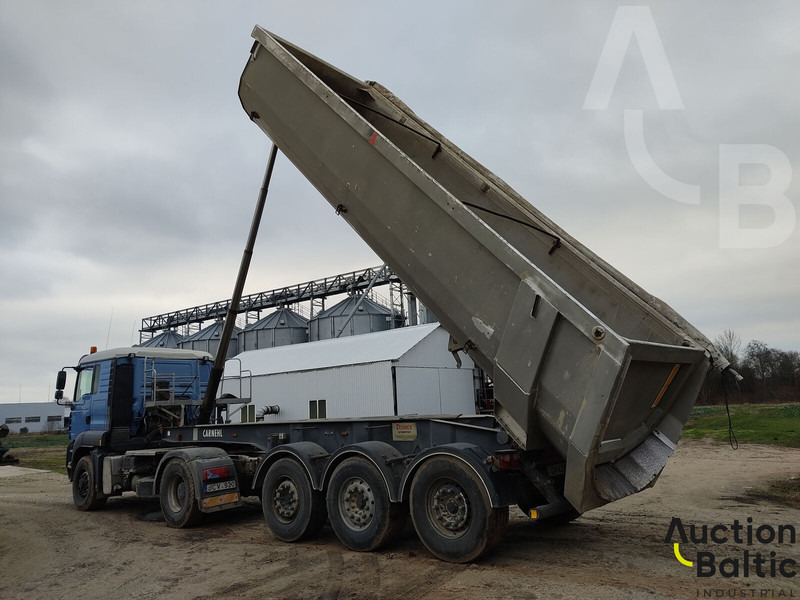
[36,417]
[396,372]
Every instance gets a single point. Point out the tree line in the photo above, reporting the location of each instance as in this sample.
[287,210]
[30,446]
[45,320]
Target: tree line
[769,375]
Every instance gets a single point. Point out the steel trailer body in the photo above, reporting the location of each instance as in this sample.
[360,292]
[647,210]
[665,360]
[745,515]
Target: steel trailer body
[582,359]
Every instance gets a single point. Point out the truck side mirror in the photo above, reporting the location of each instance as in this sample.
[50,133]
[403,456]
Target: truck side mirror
[61,381]
[59,395]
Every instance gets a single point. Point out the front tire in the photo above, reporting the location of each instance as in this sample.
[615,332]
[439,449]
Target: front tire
[292,509]
[84,493]
[361,513]
[451,511]
[178,496]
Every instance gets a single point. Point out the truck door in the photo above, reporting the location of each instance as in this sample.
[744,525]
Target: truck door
[90,408]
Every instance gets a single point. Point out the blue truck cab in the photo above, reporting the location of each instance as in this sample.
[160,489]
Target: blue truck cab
[126,400]
[127,393]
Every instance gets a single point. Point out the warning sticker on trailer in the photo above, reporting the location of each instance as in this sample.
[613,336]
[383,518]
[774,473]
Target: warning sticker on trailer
[404,432]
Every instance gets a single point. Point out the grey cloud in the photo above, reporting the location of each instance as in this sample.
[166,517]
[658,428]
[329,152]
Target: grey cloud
[129,171]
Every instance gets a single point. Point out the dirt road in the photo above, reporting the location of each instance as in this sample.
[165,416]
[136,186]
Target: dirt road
[49,550]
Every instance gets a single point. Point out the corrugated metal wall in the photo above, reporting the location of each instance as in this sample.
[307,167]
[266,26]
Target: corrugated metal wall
[425,391]
[352,391]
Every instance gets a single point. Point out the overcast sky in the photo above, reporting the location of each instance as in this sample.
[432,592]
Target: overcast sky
[129,172]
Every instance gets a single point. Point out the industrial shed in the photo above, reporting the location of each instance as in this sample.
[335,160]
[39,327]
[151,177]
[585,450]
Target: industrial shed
[396,372]
[35,416]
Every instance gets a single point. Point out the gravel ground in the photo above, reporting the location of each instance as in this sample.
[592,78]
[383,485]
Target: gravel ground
[49,550]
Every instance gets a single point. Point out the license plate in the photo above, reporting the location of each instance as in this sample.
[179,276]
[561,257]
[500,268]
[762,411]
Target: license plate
[222,485]
[557,469]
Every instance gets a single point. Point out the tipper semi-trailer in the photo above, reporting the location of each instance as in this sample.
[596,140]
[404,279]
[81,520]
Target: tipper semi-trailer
[593,377]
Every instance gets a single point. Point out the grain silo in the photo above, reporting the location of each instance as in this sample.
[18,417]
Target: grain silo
[207,340]
[281,328]
[166,339]
[352,316]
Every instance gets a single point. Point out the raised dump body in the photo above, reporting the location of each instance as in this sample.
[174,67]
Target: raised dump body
[582,359]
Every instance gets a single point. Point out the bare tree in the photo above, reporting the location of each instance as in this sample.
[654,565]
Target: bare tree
[762,359]
[729,344]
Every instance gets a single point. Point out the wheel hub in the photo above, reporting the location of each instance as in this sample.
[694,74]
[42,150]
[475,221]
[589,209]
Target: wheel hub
[285,500]
[357,503]
[83,485]
[451,508]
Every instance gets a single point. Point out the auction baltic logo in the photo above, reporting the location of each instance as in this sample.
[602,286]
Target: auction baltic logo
[755,553]
[637,22]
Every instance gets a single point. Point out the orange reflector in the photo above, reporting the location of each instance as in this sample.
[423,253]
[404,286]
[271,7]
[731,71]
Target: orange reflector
[666,385]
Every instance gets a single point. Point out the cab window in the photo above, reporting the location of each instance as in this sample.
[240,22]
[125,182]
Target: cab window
[88,381]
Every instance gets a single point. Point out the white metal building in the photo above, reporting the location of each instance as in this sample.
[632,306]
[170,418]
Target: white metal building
[396,372]
[35,416]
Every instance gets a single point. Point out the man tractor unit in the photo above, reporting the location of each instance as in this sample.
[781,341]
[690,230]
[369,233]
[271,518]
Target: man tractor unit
[593,377]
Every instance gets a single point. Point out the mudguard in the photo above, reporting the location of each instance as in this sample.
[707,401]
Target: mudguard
[498,486]
[386,459]
[308,454]
[197,459]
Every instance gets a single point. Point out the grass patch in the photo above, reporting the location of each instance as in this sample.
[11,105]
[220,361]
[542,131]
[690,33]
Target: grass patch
[38,450]
[772,424]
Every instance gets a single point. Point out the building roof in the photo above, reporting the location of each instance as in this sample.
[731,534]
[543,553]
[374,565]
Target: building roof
[25,409]
[350,350]
[344,307]
[280,319]
[212,332]
[166,339]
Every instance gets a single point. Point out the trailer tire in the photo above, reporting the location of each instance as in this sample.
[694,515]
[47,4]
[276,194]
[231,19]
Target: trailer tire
[178,496]
[359,508]
[292,509]
[84,493]
[452,513]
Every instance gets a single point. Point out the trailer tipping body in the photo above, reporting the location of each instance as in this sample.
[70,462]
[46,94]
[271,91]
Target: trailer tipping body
[582,359]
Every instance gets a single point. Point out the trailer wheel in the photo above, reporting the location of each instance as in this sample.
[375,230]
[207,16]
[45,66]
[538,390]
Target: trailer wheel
[178,497]
[292,509]
[84,493]
[451,511]
[361,513]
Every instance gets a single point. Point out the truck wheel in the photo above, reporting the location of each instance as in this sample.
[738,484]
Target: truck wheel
[84,493]
[452,513]
[178,497]
[359,508]
[292,509]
